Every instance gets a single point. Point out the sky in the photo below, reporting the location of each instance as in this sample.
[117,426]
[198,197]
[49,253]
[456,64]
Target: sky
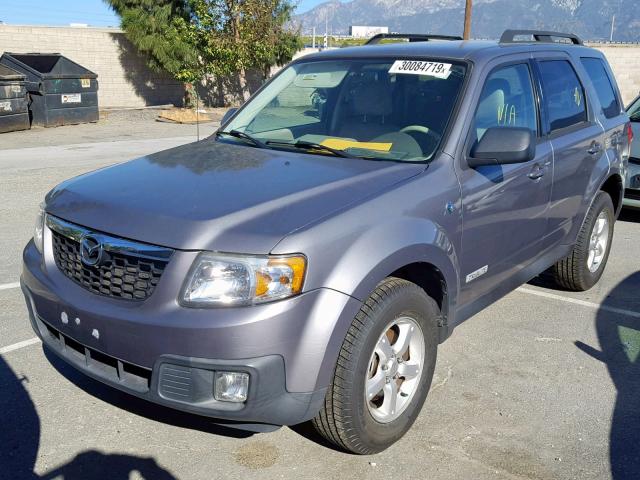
[64,12]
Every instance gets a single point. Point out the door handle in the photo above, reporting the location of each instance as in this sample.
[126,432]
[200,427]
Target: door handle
[595,147]
[536,172]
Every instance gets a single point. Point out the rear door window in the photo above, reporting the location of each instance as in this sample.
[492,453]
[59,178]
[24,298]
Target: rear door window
[603,86]
[564,94]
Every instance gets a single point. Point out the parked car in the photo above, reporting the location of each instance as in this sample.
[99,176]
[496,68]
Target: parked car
[305,262]
[632,191]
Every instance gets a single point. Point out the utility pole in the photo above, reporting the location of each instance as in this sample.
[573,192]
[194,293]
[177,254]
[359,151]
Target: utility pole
[326,32]
[467,20]
[314,38]
[613,23]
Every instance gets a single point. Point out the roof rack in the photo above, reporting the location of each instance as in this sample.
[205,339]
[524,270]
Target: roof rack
[411,37]
[509,36]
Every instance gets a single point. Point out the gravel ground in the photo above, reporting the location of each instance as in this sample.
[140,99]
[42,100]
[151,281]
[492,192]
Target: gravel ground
[541,385]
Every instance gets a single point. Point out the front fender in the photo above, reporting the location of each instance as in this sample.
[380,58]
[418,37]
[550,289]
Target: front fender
[355,265]
[377,254]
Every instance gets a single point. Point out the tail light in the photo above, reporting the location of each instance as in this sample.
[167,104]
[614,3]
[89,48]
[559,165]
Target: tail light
[629,133]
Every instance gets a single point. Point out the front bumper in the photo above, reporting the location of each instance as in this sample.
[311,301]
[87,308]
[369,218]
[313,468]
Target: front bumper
[288,348]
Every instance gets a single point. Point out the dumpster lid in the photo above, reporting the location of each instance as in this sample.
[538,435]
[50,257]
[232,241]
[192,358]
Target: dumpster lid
[7,73]
[49,65]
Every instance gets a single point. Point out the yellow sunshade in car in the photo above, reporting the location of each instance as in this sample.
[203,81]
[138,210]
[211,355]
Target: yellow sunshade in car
[342,144]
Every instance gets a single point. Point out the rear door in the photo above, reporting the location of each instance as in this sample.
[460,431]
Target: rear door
[610,112]
[577,140]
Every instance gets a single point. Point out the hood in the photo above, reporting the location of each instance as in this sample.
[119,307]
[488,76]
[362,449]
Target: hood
[216,196]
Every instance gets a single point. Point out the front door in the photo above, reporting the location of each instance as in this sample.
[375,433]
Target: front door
[505,206]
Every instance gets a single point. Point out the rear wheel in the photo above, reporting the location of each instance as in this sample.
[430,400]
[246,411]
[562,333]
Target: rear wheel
[583,267]
[384,369]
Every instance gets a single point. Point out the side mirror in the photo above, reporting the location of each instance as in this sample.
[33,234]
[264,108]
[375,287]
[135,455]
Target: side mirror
[227,115]
[503,146]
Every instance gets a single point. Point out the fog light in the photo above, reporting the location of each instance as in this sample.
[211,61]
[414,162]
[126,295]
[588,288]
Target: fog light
[231,386]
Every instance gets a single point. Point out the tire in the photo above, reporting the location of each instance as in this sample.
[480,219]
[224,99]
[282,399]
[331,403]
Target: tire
[573,272]
[347,417]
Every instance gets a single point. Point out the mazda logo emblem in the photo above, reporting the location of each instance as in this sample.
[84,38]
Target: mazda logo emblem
[90,250]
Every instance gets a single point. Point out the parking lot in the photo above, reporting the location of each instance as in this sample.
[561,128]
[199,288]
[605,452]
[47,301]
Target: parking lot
[542,385]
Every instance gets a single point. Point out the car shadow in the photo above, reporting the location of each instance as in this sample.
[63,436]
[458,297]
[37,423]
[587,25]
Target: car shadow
[20,432]
[619,339]
[20,441]
[308,431]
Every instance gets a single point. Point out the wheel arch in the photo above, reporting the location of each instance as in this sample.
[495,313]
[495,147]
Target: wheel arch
[431,279]
[426,265]
[614,187]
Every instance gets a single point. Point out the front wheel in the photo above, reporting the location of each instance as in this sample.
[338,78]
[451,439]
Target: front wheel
[384,369]
[583,267]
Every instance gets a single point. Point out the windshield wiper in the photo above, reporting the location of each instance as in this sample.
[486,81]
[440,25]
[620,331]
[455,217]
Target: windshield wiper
[244,136]
[313,146]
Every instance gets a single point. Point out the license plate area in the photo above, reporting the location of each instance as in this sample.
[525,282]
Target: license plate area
[98,363]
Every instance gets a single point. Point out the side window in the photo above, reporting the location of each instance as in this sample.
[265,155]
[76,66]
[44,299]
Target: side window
[603,86]
[507,100]
[564,95]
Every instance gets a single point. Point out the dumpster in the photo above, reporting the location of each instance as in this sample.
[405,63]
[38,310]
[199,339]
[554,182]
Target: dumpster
[62,92]
[14,106]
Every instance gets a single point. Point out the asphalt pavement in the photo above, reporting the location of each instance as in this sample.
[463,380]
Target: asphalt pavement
[542,385]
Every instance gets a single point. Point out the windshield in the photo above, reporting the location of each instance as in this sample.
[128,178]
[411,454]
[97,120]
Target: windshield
[382,109]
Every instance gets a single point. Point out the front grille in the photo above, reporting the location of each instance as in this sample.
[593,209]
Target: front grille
[127,270]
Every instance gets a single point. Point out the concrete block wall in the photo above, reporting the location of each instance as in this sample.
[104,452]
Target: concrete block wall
[625,63]
[124,79]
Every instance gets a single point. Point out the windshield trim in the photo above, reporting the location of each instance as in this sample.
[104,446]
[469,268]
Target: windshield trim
[314,58]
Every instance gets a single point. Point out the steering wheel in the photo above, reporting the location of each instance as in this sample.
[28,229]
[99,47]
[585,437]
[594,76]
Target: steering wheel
[433,138]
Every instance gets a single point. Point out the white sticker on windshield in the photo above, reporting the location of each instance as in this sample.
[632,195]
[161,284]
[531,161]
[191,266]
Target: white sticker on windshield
[420,67]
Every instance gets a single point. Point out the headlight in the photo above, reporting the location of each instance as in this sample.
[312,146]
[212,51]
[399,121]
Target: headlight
[38,230]
[218,279]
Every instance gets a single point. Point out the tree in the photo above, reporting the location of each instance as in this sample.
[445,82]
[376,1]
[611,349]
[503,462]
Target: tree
[191,39]
[160,30]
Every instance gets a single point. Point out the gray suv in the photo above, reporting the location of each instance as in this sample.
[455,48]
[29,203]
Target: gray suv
[305,262]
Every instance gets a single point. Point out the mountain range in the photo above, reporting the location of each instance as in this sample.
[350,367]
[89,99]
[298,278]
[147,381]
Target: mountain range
[590,19]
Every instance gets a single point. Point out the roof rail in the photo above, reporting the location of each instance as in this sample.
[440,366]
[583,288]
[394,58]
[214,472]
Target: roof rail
[411,37]
[509,36]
